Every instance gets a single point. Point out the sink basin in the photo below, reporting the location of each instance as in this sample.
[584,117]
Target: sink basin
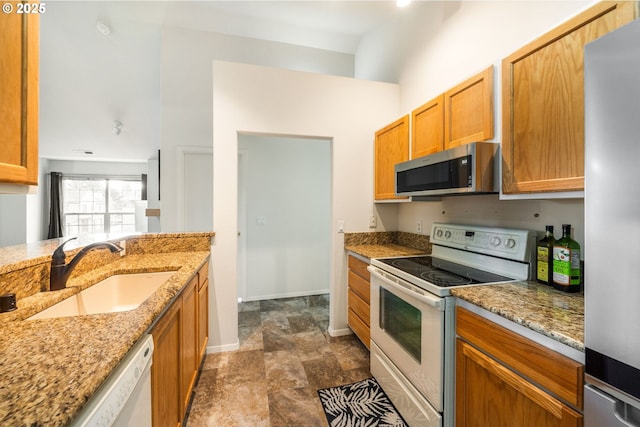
[121,292]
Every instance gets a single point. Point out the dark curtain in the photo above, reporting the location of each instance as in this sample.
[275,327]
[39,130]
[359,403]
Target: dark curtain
[55,203]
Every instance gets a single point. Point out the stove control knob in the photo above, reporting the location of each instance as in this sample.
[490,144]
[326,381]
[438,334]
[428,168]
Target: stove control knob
[495,241]
[438,232]
[447,234]
[510,243]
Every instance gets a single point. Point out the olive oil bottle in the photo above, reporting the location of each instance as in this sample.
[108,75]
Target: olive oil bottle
[544,256]
[566,262]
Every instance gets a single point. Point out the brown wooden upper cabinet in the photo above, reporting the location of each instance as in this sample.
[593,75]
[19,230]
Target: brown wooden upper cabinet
[468,110]
[19,35]
[427,128]
[543,103]
[461,115]
[391,147]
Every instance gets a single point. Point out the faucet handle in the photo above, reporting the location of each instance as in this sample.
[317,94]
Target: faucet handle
[58,254]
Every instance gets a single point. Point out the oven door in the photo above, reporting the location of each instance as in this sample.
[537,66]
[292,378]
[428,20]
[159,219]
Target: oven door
[407,324]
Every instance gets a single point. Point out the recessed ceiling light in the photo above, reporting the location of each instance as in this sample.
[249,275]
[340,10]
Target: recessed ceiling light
[83,151]
[117,127]
[402,3]
[103,28]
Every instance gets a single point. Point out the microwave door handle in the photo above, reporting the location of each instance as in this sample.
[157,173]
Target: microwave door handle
[429,299]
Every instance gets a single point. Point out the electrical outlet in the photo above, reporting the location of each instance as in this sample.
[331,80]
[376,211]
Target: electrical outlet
[419,227]
[372,221]
[340,226]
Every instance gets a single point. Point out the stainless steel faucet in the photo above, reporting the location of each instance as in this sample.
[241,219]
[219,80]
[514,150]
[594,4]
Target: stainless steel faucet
[60,271]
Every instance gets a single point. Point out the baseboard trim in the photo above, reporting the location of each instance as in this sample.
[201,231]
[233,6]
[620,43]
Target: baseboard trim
[223,348]
[339,332]
[286,295]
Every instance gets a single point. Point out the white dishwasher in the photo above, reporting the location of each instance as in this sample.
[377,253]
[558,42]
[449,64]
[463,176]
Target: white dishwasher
[124,400]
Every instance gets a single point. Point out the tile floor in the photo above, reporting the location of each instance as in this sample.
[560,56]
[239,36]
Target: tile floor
[285,356]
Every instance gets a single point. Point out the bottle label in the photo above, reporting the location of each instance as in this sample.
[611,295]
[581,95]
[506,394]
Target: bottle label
[543,264]
[575,267]
[562,265]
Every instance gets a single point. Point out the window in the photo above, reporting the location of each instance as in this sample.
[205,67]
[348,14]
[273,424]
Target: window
[102,205]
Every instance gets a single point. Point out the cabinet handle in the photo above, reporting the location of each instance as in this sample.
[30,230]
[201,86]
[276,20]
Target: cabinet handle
[536,395]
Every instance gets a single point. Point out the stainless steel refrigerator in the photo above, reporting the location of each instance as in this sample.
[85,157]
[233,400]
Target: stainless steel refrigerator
[612,228]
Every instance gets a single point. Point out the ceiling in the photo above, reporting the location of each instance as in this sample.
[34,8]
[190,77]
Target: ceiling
[89,79]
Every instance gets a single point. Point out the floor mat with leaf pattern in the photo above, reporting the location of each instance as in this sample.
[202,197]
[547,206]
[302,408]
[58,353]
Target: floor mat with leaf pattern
[361,404]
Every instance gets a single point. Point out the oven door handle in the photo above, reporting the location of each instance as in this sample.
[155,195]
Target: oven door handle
[397,284]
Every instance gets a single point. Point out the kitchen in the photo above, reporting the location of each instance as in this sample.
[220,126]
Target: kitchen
[456,60]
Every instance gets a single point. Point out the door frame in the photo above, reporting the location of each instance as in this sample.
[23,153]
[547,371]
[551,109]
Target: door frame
[243,163]
[181,152]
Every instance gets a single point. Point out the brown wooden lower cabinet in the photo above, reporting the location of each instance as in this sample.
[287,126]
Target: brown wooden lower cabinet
[165,370]
[179,338]
[491,392]
[190,350]
[203,312]
[358,299]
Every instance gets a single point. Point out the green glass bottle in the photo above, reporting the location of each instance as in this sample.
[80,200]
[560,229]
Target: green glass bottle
[566,262]
[544,256]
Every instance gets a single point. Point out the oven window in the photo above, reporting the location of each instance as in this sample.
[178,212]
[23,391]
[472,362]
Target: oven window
[402,322]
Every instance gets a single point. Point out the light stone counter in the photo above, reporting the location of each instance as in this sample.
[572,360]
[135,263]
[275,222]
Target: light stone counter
[49,368]
[386,244]
[554,314]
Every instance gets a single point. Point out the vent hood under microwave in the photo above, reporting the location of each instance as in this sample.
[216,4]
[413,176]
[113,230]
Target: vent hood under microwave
[467,169]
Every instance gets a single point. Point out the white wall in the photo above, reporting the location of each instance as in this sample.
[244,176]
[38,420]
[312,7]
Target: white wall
[287,186]
[22,216]
[254,99]
[186,118]
[440,45]
[13,225]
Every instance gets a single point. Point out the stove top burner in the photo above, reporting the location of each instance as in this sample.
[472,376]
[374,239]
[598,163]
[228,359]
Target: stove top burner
[442,278]
[442,273]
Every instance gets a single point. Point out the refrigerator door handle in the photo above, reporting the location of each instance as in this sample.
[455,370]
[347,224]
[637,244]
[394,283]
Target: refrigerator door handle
[619,410]
[602,409]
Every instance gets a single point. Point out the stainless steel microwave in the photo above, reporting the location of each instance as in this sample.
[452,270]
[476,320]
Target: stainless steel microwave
[467,169]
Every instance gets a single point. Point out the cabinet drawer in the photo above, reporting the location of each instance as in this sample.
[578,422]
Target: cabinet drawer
[359,267]
[558,374]
[360,286]
[359,327]
[360,307]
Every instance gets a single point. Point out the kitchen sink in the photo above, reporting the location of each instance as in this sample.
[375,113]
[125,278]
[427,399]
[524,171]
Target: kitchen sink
[121,292]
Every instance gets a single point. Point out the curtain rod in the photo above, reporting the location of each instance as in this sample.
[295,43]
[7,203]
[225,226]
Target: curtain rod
[99,176]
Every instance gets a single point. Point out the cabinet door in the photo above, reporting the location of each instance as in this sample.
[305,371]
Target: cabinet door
[391,147]
[19,96]
[190,349]
[358,299]
[468,110]
[203,315]
[489,394]
[555,372]
[165,370]
[543,103]
[427,128]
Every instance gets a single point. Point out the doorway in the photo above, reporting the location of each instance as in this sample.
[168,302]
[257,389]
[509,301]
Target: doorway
[284,216]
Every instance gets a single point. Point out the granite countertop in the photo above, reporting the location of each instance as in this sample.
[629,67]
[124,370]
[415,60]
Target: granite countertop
[51,367]
[383,251]
[386,244]
[555,314]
